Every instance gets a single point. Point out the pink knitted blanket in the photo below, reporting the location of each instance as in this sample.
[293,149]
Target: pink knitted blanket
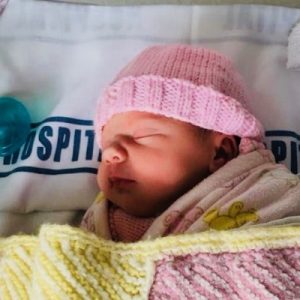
[258,273]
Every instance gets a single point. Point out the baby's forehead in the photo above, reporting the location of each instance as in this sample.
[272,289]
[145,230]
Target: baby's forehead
[132,120]
[147,115]
[138,117]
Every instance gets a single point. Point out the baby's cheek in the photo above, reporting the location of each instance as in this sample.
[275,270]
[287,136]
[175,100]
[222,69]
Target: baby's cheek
[101,177]
[165,175]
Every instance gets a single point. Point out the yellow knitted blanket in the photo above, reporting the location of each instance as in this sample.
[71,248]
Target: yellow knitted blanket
[62,262]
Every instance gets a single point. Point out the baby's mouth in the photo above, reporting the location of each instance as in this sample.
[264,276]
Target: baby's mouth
[120,181]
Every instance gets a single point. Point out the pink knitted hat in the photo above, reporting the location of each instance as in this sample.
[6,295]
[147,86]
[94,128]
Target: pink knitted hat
[188,83]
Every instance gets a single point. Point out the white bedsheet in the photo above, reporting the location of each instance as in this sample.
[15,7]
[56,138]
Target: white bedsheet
[57,57]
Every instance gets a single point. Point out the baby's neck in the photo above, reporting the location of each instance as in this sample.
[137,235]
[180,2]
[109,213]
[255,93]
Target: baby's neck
[125,227]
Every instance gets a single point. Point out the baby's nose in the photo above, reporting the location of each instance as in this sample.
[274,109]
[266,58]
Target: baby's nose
[114,154]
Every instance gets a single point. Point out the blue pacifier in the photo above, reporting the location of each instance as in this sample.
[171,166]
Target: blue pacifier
[14,125]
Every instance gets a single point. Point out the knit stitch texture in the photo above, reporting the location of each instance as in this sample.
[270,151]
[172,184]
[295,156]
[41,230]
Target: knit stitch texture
[188,83]
[67,263]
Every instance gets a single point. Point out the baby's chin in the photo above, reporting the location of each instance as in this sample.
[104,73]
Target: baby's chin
[133,205]
[133,208]
[138,200]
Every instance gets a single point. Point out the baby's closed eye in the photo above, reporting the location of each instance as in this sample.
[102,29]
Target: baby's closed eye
[149,137]
[145,132]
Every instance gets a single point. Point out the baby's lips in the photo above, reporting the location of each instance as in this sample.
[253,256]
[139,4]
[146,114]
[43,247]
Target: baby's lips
[119,178]
[120,182]
[116,174]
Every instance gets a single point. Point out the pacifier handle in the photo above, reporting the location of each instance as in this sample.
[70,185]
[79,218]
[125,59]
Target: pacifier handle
[14,125]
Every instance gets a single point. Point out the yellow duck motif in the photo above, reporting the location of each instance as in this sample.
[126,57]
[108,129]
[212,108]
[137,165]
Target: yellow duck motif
[233,219]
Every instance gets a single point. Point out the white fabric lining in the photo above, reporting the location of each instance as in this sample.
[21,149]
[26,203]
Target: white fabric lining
[58,60]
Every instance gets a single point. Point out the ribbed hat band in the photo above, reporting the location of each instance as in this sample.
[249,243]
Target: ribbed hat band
[191,84]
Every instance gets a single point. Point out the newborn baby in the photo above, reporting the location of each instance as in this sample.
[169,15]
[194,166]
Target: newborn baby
[147,156]
[181,152]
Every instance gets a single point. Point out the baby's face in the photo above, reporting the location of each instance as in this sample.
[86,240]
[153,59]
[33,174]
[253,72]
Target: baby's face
[148,161]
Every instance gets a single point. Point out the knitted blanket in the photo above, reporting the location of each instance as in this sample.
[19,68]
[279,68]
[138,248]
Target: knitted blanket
[67,263]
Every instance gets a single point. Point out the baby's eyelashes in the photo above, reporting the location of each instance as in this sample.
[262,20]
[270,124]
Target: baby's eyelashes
[136,135]
[145,136]
[145,132]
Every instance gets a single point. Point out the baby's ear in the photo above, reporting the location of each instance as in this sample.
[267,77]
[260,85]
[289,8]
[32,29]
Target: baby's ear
[225,149]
